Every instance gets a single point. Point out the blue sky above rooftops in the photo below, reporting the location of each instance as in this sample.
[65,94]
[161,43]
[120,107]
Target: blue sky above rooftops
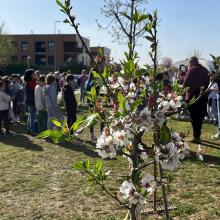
[185,24]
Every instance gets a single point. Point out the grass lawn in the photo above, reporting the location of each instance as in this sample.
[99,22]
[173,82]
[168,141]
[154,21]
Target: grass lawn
[37,181]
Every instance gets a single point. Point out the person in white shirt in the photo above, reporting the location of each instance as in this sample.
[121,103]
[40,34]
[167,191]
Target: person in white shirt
[4,108]
[212,103]
[41,105]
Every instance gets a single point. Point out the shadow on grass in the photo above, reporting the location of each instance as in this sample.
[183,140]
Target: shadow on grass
[210,144]
[210,159]
[21,141]
[81,147]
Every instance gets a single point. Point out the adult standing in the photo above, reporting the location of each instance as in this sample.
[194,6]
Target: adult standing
[50,93]
[197,79]
[81,83]
[30,84]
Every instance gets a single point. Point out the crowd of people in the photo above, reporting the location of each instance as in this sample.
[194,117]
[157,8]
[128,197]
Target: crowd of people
[36,94]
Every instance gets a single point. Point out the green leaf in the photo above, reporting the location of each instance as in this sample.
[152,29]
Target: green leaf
[56,136]
[149,38]
[107,72]
[90,120]
[78,122]
[135,104]
[126,15]
[129,68]
[66,21]
[56,122]
[88,165]
[79,166]
[98,165]
[121,100]
[60,3]
[142,17]
[44,134]
[165,135]
[96,75]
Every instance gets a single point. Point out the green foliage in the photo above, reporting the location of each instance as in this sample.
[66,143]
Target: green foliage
[121,100]
[55,135]
[92,95]
[96,173]
[165,135]
[73,66]
[6,47]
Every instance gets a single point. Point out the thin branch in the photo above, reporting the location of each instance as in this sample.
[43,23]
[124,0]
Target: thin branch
[146,165]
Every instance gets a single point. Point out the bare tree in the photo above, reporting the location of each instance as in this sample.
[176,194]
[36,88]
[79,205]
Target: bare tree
[122,15]
[167,62]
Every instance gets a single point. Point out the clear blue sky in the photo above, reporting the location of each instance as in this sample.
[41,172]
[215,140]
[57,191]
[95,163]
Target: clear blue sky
[185,24]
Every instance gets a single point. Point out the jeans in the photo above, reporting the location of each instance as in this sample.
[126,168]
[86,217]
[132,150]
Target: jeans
[31,121]
[42,121]
[82,94]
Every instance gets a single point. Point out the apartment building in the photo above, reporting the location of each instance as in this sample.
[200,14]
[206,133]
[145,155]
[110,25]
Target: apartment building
[49,49]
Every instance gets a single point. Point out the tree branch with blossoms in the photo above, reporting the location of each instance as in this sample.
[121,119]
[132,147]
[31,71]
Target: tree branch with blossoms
[132,106]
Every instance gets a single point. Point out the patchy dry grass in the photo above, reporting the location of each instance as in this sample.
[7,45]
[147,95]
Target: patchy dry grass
[37,181]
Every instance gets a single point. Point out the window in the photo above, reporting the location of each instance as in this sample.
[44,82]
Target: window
[50,45]
[40,60]
[70,47]
[50,60]
[69,58]
[40,47]
[24,45]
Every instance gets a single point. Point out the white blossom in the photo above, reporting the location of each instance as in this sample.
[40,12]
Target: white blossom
[146,119]
[171,157]
[106,147]
[149,184]
[128,191]
[143,153]
[160,118]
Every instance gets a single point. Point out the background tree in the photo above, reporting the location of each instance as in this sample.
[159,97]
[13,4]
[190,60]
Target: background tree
[6,47]
[127,21]
[167,62]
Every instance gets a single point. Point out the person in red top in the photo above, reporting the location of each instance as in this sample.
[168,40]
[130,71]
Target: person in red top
[197,81]
[30,84]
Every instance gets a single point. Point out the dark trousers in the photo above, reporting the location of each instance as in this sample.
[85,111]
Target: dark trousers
[4,117]
[197,113]
[15,106]
[41,121]
[71,117]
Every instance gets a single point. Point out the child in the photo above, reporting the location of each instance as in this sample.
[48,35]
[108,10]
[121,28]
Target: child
[4,108]
[41,105]
[70,100]
[50,93]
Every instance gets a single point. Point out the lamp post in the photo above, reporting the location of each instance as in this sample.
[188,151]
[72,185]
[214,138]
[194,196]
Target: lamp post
[55,46]
[28,61]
